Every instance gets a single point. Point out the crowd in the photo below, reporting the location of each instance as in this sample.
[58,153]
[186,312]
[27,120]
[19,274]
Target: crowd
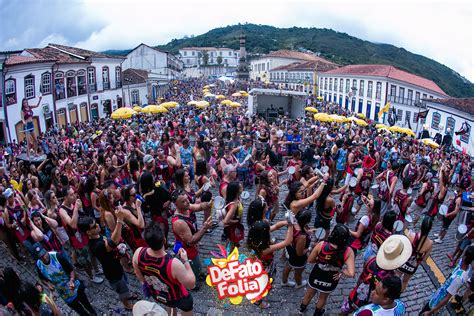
[111,194]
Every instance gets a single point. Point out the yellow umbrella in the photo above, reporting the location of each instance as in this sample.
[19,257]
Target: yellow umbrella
[380,125]
[338,118]
[237,94]
[395,129]
[323,117]
[123,113]
[430,142]
[201,106]
[407,131]
[192,102]
[311,109]
[384,129]
[220,96]
[235,104]
[154,109]
[206,87]
[205,91]
[137,108]
[360,115]
[320,98]
[243,92]
[226,102]
[358,121]
[170,104]
[202,103]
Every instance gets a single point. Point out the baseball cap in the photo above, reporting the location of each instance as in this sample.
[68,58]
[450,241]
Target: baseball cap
[40,251]
[148,159]
[8,193]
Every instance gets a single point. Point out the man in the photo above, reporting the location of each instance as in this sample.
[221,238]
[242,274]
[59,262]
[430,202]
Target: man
[185,227]
[458,278]
[148,163]
[387,181]
[107,252]
[230,174]
[69,215]
[243,169]
[163,277]
[341,158]
[385,299]
[57,273]
[186,154]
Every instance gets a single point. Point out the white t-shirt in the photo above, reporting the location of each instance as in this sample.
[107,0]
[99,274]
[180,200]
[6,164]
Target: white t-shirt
[365,220]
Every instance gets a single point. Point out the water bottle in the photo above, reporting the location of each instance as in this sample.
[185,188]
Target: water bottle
[177,245]
[140,198]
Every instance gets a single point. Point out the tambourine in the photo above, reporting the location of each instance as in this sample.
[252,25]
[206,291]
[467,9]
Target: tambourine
[325,169]
[290,217]
[410,191]
[398,226]
[462,230]
[219,203]
[443,210]
[353,182]
[244,195]
[319,233]
[356,172]
[291,170]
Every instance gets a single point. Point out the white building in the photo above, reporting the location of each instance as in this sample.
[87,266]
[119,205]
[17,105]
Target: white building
[260,67]
[216,56]
[367,88]
[452,113]
[77,86]
[136,87]
[160,64]
[300,76]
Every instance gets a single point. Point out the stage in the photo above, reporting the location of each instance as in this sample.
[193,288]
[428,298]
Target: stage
[270,103]
[36,160]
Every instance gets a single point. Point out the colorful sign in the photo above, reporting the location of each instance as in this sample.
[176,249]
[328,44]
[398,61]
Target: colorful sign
[235,276]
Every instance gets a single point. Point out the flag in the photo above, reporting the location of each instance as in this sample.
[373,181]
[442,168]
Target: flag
[422,115]
[385,109]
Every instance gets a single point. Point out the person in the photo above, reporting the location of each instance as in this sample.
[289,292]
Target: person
[164,278]
[424,196]
[393,253]
[464,242]
[385,299]
[133,218]
[57,273]
[440,195]
[106,250]
[298,251]
[365,177]
[402,199]
[456,280]
[387,181]
[326,205]
[333,259]
[381,232]
[233,228]
[29,127]
[229,175]
[365,226]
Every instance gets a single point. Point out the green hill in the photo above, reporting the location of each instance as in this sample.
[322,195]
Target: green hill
[335,46]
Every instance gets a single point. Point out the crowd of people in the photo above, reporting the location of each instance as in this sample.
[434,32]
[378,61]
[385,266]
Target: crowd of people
[111,195]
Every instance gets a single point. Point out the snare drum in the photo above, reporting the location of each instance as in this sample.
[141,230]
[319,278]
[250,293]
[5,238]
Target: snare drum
[408,219]
[462,230]
[244,195]
[398,227]
[443,210]
[319,234]
[375,189]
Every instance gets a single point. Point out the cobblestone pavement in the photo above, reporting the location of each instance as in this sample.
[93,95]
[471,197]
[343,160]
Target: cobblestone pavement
[283,301]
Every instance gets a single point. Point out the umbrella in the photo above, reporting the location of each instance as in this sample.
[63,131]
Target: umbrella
[408,131]
[380,125]
[170,104]
[202,103]
[226,102]
[360,115]
[137,108]
[358,121]
[243,92]
[339,118]
[384,129]
[430,142]
[320,98]
[237,94]
[311,109]
[123,113]
[323,117]
[210,96]
[235,104]
[206,87]
[220,96]
[154,109]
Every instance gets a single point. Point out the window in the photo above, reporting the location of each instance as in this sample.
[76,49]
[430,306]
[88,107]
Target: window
[71,86]
[348,83]
[268,65]
[45,87]
[431,97]
[225,61]
[230,53]
[369,89]
[393,90]
[336,84]
[10,91]
[135,97]
[321,83]
[399,115]
[185,53]
[417,96]
[341,85]
[402,93]
[435,121]
[30,87]
[425,95]
[193,53]
[81,82]
[330,84]
[378,91]
[361,88]
[105,78]
[450,123]
[91,79]
[325,83]
[220,53]
[118,77]
[59,86]
[465,137]
[408,116]
[410,94]
[354,84]
[188,61]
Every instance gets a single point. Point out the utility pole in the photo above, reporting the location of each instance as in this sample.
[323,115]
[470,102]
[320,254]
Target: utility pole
[128,80]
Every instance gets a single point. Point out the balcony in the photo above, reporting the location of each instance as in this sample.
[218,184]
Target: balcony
[106,85]
[404,101]
[92,87]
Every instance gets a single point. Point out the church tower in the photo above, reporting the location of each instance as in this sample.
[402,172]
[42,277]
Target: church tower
[243,69]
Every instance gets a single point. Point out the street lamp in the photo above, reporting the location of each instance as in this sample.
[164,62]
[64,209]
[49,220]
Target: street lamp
[128,87]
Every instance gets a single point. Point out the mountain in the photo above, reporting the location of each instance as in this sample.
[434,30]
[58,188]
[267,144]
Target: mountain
[335,46]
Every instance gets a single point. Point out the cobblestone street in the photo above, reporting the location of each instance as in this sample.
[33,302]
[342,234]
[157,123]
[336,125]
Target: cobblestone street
[283,301]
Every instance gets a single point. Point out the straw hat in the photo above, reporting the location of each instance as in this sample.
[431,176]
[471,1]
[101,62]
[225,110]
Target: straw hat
[394,252]
[146,308]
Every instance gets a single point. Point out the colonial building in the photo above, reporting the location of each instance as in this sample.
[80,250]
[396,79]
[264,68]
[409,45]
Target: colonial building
[300,76]
[260,67]
[367,88]
[212,56]
[136,87]
[451,115]
[76,85]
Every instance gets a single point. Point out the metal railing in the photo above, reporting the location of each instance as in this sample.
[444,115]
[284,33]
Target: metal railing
[402,100]
[93,87]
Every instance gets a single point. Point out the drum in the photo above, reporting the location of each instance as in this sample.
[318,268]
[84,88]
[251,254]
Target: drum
[462,230]
[408,219]
[244,195]
[443,210]
[219,203]
[290,218]
[417,187]
[325,169]
[353,182]
[410,191]
[319,234]
[398,227]
[374,190]
[356,172]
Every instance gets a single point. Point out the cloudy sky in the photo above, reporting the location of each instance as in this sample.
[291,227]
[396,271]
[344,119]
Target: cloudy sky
[441,30]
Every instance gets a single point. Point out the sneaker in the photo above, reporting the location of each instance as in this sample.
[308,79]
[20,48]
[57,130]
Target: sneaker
[438,241]
[288,284]
[436,234]
[303,284]
[96,280]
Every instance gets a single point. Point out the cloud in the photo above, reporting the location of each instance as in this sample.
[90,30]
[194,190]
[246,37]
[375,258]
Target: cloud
[439,30]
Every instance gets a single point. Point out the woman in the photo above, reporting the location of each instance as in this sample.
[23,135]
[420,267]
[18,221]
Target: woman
[42,231]
[107,211]
[104,173]
[329,257]
[233,228]
[256,211]
[268,189]
[133,218]
[326,206]
[298,251]
[52,206]
[89,194]
[28,126]
[382,231]
[259,241]
[203,177]
[421,249]
[297,199]
[35,204]
[364,227]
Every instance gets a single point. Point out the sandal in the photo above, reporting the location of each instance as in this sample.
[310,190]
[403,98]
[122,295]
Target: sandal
[449,256]
[451,264]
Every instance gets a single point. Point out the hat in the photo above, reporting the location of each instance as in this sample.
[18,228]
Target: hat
[394,252]
[148,308]
[40,251]
[8,193]
[368,163]
[148,159]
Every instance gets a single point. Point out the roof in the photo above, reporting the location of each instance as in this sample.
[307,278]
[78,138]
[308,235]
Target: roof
[290,54]
[136,76]
[388,71]
[21,60]
[323,65]
[67,55]
[206,48]
[154,48]
[461,104]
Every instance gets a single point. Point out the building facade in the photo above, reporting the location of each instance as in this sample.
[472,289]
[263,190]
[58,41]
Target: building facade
[367,88]
[76,85]
[209,56]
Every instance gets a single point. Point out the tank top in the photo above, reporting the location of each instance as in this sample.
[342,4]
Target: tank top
[132,234]
[365,182]
[452,206]
[423,199]
[379,235]
[50,241]
[291,248]
[400,200]
[78,239]
[361,242]
[27,113]
[222,185]
[385,184]
[329,256]
[22,232]
[157,273]
[190,249]
[412,172]
[163,170]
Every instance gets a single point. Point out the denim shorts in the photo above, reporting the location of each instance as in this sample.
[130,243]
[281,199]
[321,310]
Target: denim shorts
[121,287]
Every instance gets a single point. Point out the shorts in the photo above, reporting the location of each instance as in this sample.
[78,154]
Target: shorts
[121,287]
[29,127]
[447,222]
[463,243]
[196,266]
[184,304]
[83,257]
[322,222]
[322,280]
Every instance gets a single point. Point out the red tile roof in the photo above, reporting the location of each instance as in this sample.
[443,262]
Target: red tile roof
[461,104]
[309,66]
[20,60]
[388,71]
[135,75]
[296,55]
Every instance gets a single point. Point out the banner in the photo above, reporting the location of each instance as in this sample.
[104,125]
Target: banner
[422,115]
[385,109]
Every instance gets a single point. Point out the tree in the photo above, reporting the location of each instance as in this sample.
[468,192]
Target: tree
[205,58]
[219,60]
